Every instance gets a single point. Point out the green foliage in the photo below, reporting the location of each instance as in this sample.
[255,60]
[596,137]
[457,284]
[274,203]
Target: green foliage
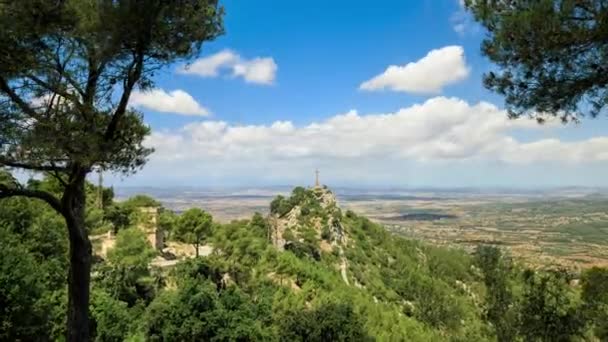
[127,213]
[119,216]
[595,298]
[300,196]
[280,206]
[68,69]
[328,322]
[500,309]
[132,250]
[199,310]
[193,226]
[550,310]
[247,290]
[303,250]
[126,274]
[259,225]
[33,268]
[550,52]
[111,317]
[326,233]
[21,289]
[140,201]
[131,40]
[167,221]
[239,244]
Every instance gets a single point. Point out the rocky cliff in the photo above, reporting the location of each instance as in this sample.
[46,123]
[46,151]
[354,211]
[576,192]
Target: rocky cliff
[309,223]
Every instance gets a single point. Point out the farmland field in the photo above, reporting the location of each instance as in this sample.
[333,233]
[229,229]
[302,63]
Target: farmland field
[564,232]
[551,228]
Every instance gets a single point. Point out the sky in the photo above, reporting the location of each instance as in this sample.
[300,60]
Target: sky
[373,94]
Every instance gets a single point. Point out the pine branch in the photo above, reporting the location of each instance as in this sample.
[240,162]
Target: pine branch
[31,167]
[7,192]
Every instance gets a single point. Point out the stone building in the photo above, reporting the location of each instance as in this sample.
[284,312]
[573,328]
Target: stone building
[148,222]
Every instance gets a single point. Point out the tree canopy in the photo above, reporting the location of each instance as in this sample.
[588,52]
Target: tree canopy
[193,226]
[67,71]
[552,55]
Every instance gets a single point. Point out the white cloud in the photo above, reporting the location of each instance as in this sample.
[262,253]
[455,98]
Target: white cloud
[428,75]
[259,70]
[438,130]
[210,66]
[176,102]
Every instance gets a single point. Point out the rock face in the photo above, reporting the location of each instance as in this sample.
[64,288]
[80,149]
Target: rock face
[281,224]
[309,223]
[306,208]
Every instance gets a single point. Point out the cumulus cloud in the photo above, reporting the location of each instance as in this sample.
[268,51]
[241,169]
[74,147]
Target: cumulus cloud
[438,130]
[259,70]
[211,65]
[428,75]
[176,102]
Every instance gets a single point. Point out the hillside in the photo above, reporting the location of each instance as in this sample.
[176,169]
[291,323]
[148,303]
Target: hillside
[420,290]
[309,271]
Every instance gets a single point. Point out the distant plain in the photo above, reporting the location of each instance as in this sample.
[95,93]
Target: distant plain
[565,227]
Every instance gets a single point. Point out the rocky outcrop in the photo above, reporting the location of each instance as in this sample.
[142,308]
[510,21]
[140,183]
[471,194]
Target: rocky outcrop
[309,210]
[278,226]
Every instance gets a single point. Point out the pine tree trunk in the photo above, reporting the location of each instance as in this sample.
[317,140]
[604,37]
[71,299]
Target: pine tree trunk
[74,201]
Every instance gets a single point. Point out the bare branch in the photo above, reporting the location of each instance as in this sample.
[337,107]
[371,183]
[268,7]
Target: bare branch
[60,68]
[5,88]
[54,89]
[134,74]
[57,176]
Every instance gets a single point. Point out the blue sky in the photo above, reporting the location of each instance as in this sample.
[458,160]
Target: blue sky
[287,94]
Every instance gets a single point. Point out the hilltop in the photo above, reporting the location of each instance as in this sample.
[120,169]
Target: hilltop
[423,289]
[307,271]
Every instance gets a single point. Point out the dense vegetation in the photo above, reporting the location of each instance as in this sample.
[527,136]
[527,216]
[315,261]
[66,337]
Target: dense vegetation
[67,72]
[248,290]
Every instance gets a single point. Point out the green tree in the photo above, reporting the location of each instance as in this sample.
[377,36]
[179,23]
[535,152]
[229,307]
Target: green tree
[549,310]
[132,250]
[139,201]
[67,71]
[128,269]
[111,317]
[167,220]
[259,225]
[33,244]
[328,322]
[199,310]
[193,226]
[551,54]
[22,284]
[118,215]
[594,283]
[280,206]
[499,297]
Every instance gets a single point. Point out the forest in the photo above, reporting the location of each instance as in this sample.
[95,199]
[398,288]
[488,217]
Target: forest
[248,290]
